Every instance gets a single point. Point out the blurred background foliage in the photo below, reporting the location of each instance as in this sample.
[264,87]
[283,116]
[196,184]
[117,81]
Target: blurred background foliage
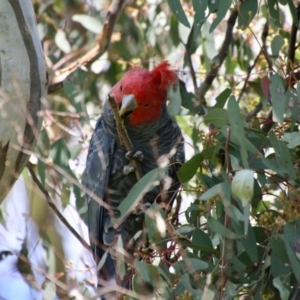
[237,103]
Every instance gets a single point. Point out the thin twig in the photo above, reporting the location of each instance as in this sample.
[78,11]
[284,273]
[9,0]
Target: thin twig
[253,113]
[264,47]
[189,60]
[123,136]
[292,43]
[205,86]
[103,43]
[55,209]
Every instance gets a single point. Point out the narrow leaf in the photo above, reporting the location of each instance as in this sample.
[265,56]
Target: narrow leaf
[137,192]
[177,10]
[276,44]
[219,228]
[223,8]
[222,98]
[247,12]
[88,22]
[217,116]
[243,185]
[189,169]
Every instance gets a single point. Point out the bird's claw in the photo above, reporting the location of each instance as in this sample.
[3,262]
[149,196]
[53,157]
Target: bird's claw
[138,155]
[128,169]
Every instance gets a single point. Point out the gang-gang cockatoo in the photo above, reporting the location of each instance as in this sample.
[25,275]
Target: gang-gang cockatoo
[142,99]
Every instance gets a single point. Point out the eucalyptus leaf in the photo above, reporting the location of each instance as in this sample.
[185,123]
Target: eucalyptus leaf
[247,12]
[243,185]
[62,42]
[189,169]
[177,10]
[219,228]
[88,22]
[144,185]
[277,91]
[217,116]
[276,44]
[223,8]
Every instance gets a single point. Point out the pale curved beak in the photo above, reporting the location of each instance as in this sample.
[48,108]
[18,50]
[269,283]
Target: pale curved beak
[128,104]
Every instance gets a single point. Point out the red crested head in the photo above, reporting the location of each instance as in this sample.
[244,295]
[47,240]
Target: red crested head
[142,93]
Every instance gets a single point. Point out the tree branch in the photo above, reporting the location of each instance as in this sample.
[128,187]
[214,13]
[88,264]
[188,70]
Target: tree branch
[292,44]
[189,60]
[123,136]
[204,87]
[55,209]
[104,41]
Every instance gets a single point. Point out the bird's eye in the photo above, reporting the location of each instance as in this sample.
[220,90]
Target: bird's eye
[121,88]
[146,105]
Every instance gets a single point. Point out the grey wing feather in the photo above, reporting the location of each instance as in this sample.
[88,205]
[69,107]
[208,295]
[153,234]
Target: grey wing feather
[95,179]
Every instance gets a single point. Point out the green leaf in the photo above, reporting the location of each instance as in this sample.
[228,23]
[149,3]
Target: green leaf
[276,44]
[293,102]
[60,156]
[219,228]
[184,284]
[201,238]
[42,171]
[217,116]
[102,261]
[249,243]
[155,220]
[188,100]
[199,17]
[278,246]
[175,101]
[62,42]
[189,169]
[221,13]
[174,30]
[137,192]
[88,22]
[291,241]
[292,139]
[243,185]
[43,144]
[143,270]
[190,265]
[120,258]
[72,88]
[237,126]
[213,6]
[222,98]
[177,10]
[282,154]
[212,192]
[274,11]
[281,286]
[247,11]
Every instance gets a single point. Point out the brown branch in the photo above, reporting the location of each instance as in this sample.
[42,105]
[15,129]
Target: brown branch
[292,43]
[253,113]
[204,87]
[264,50]
[123,136]
[103,43]
[187,46]
[55,209]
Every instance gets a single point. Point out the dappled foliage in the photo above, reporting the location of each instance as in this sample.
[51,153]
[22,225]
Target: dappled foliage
[238,229]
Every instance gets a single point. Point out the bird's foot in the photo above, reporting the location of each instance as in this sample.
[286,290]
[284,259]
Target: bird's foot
[138,155]
[128,169]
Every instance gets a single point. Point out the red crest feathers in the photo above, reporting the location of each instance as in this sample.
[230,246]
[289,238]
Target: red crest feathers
[163,76]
